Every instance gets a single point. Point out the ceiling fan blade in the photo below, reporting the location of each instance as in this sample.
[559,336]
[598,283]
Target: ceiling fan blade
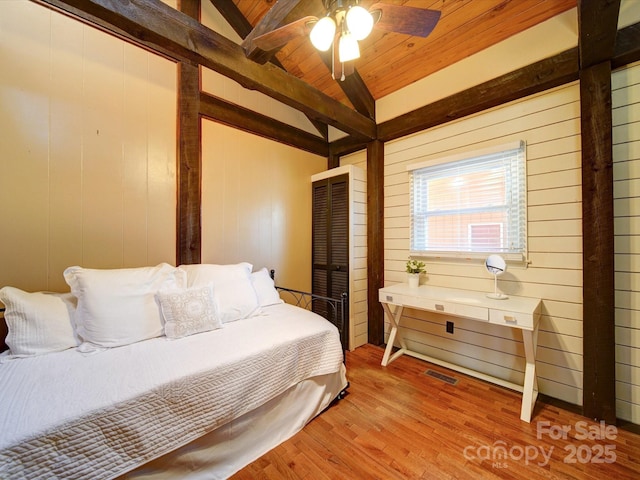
[279,37]
[419,22]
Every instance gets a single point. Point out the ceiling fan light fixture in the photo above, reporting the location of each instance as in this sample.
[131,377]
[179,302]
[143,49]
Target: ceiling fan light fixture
[359,22]
[322,33]
[348,48]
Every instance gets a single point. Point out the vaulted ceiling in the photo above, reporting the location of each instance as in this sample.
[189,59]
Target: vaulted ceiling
[390,61]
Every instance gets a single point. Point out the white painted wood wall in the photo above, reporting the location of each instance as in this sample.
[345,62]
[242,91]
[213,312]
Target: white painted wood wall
[625,84]
[360,310]
[87,149]
[360,331]
[256,203]
[550,125]
[88,162]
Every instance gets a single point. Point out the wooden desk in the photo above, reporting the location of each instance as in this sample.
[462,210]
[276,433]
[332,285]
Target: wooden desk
[521,313]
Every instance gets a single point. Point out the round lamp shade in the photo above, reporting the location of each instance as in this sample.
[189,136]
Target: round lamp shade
[348,48]
[322,33]
[359,22]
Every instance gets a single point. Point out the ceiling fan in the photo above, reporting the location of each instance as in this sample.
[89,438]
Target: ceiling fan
[346,23]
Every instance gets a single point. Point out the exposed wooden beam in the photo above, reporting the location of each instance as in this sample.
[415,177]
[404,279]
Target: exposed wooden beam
[358,94]
[189,231]
[190,8]
[627,49]
[242,27]
[375,240]
[158,26]
[346,145]
[540,76]
[597,244]
[189,172]
[554,71]
[597,26]
[333,161]
[321,127]
[233,16]
[354,88]
[597,29]
[247,120]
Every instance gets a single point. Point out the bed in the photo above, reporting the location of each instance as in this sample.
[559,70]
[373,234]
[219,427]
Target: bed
[197,400]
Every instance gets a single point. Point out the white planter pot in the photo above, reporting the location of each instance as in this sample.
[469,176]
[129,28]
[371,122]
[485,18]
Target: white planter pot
[414,280]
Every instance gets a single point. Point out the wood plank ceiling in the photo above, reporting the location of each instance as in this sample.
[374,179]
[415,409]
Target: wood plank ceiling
[390,61]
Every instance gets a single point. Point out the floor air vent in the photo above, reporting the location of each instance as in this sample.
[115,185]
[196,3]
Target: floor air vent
[441,376]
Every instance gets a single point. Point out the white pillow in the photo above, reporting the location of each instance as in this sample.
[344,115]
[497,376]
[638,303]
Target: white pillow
[232,289]
[189,311]
[118,306]
[200,274]
[39,322]
[265,288]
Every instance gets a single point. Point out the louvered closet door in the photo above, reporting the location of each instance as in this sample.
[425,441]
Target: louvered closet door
[331,241]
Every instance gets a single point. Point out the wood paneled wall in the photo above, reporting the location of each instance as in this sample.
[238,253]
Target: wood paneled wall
[550,125]
[256,203]
[88,163]
[87,149]
[626,189]
[359,332]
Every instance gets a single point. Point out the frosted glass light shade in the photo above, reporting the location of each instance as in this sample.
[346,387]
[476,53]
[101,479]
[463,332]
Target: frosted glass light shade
[348,48]
[359,22]
[322,33]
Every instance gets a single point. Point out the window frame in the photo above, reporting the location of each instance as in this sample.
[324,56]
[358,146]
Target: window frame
[518,256]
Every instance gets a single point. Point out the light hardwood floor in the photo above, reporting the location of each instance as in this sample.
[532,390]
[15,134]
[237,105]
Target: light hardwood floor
[398,423]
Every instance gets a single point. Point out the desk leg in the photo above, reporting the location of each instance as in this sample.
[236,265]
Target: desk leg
[394,319]
[530,388]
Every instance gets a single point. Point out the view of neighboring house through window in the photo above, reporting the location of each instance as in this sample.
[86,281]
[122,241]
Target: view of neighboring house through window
[471,205]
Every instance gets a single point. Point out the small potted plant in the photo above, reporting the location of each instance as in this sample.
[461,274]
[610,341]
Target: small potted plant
[414,269]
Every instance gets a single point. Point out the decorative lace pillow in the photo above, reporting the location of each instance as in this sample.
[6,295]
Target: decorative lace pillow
[189,311]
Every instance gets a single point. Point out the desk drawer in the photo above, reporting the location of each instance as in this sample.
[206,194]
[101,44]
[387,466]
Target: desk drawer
[511,319]
[391,298]
[430,304]
[439,306]
[472,311]
[422,303]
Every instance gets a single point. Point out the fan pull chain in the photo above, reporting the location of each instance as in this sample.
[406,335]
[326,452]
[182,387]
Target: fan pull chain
[333,60]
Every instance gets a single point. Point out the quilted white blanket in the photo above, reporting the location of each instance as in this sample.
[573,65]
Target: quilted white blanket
[65,415]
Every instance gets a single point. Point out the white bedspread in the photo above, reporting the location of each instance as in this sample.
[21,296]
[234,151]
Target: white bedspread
[65,415]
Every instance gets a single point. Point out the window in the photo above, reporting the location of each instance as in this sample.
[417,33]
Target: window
[470,206]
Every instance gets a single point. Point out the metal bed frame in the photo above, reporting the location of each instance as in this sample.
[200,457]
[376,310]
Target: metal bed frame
[333,309]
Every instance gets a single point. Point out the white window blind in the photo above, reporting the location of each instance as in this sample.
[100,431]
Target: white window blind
[470,205]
